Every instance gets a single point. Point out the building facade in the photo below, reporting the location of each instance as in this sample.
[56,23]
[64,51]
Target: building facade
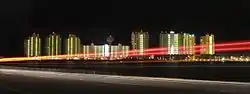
[53,45]
[207,44]
[177,43]
[140,41]
[119,51]
[99,51]
[72,45]
[188,44]
[86,51]
[32,45]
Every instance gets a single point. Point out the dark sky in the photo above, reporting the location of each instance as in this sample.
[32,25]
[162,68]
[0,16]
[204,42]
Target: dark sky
[93,20]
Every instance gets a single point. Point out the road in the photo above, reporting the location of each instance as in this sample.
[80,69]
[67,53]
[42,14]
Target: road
[40,82]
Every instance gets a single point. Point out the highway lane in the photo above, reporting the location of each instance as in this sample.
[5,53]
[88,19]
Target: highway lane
[16,84]
[34,81]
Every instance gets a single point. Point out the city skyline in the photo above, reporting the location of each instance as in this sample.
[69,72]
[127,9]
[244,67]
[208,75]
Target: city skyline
[175,44]
[125,46]
[116,41]
[21,20]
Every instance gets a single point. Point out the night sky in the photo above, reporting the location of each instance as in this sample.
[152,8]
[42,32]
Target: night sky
[94,20]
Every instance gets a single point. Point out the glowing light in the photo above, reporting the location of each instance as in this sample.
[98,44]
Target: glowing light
[52,45]
[106,50]
[68,46]
[32,46]
[141,44]
[28,51]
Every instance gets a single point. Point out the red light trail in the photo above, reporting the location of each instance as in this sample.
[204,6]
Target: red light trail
[217,50]
[152,51]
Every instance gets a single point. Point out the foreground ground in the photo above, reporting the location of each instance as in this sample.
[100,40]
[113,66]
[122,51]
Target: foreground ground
[23,84]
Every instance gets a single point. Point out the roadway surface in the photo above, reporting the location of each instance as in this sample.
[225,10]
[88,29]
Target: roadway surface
[41,82]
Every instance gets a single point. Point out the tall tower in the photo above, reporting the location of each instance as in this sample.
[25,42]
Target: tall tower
[207,44]
[110,40]
[188,45]
[32,45]
[73,45]
[172,43]
[164,43]
[140,41]
[53,44]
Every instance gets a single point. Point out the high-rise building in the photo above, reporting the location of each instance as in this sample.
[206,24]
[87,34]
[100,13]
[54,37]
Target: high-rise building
[164,36]
[53,44]
[177,43]
[207,44]
[32,45]
[188,44]
[72,45]
[140,41]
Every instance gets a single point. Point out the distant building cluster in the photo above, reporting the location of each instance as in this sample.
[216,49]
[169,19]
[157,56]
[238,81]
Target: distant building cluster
[32,45]
[140,41]
[72,46]
[174,43]
[177,43]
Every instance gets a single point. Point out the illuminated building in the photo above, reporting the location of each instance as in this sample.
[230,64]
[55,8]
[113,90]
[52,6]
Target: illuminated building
[124,49]
[140,41]
[97,51]
[177,43]
[207,44]
[32,45]
[173,43]
[119,51]
[72,45]
[53,44]
[86,49]
[164,41]
[188,45]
